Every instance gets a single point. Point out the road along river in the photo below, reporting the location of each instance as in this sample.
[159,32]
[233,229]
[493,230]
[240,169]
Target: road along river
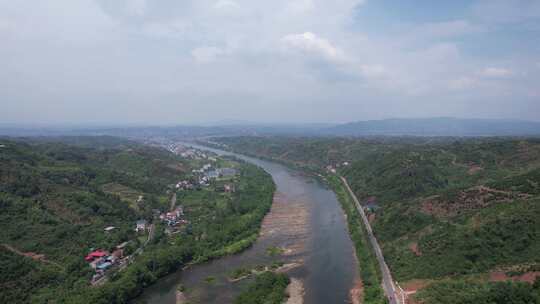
[306,221]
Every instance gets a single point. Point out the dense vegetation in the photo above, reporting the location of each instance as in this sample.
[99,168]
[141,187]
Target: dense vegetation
[470,292]
[56,198]
[445,207]
[268,288]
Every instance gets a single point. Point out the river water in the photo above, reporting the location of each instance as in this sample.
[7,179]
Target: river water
[306,220]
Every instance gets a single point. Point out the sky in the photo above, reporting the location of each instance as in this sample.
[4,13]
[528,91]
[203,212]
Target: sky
[280,61]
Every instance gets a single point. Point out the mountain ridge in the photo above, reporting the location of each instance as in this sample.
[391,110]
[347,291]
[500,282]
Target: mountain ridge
[428,127]
[437,126]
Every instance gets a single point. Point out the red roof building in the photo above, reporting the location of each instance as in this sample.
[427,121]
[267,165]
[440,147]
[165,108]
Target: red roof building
[95,254]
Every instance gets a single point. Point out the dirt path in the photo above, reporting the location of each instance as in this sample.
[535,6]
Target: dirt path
[151,230]
[500,276]
[34,256]
[173,202]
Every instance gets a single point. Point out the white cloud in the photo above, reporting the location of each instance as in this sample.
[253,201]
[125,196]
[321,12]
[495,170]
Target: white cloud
[301,6]
[463,83]
[311,43]
[448,29]
[438,53]
[494,72]
[373,71]
[136,7]
[58,22]
[5,24]
[226,5]
[506,11]
[259,49]
[206,54]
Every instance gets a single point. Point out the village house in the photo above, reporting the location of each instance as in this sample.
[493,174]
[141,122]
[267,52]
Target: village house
[372,207]
[371,204]
[212,174]
[101,261]
[118,253]
[94,264]
[104,265]
[96,258]
[227,172]
[173,218]
[140,225]
[188,154]
[184,185]
[228,188]
[94,255]
[204,181]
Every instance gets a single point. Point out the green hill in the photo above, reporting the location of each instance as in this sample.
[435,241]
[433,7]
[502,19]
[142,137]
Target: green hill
[58,195]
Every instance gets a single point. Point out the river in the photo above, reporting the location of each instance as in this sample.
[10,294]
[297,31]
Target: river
[306,220]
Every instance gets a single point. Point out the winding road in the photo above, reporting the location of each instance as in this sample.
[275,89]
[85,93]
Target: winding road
[393,295]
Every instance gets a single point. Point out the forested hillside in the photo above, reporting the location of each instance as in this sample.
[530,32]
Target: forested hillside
[442,208]
[58,196]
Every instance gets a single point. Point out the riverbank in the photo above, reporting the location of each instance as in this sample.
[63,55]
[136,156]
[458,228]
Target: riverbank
[295,290]
[215,230]
[370,274]
[284,229]
[316,249]
[368,288]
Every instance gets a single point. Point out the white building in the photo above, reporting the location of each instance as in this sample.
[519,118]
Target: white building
[140,225]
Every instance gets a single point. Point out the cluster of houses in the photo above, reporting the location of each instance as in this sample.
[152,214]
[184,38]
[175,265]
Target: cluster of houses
[174,217]
[205,168]
[227,172]
[102,261]
[189,153]
[332,168]
[184,185]
[206,173]
[221,172]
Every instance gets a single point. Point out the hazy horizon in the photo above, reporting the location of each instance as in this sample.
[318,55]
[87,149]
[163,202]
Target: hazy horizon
[209,124]
[149,62]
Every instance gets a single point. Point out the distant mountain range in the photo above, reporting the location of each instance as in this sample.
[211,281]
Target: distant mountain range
[436,127]
[442,126]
